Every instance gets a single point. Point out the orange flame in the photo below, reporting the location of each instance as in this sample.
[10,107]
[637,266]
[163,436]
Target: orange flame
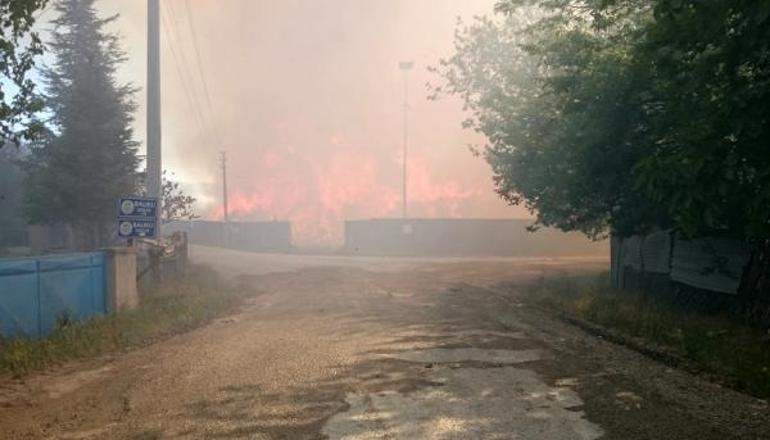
[318,195]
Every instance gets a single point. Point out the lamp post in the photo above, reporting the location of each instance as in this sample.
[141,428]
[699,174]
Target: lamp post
[405,67]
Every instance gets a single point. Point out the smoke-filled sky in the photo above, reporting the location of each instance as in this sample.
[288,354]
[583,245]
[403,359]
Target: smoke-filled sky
[306,98]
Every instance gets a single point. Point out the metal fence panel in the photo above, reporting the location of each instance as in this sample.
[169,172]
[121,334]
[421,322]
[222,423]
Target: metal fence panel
[656,252]
[35,292]
[19,305]
[631,253]
[70,284]
[714,264]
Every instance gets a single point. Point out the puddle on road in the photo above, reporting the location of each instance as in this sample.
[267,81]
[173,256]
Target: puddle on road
[421,337]
[457,355]
[488,334]
[472,403]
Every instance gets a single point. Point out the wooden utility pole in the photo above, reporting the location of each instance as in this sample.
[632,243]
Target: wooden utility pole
[223,163]
[225,210]
[405,67]
[154,163]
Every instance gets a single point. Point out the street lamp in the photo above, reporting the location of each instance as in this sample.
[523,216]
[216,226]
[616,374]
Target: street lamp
[405,67]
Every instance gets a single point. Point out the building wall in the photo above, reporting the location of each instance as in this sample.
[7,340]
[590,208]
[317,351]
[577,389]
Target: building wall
[464,237]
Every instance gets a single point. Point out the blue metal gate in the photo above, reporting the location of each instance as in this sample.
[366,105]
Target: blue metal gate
[34,292]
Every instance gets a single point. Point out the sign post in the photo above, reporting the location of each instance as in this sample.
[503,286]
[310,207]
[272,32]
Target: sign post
[137,217]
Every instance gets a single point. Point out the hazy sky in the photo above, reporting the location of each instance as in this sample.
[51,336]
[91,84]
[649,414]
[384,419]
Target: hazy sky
[306,97]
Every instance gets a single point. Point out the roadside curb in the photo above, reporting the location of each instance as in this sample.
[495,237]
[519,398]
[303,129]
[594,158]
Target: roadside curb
[658,354]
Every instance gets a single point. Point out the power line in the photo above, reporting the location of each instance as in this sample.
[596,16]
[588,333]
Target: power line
[185,69]
[200,68]
[193,97]
[180,62]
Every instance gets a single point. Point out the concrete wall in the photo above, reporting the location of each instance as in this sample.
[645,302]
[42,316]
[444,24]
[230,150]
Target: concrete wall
[464,237]
[245,236]
[121,292]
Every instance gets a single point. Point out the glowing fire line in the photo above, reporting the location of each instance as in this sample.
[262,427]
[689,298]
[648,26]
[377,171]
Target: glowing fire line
[317,196]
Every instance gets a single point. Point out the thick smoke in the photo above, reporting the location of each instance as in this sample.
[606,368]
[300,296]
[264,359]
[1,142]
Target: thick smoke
[306,98]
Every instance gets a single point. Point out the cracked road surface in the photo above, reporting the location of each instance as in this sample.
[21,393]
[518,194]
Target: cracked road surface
[373,348]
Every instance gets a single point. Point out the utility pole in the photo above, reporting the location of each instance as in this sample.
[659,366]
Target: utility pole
[226,226]
[405,67]
[223,164]
[154,163]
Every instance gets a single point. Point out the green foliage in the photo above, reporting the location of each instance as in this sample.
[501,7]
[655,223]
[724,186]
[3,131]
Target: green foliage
[624,115]
[709,112]
[89,159]
[177,205]
[19,46]
[556,98]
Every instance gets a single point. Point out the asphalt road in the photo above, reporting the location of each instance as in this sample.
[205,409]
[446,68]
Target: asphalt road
[377,348]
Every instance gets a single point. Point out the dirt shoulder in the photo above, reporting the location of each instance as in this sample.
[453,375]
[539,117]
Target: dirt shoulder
[634,396]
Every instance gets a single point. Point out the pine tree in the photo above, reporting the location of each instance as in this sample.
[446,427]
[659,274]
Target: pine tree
[89,158]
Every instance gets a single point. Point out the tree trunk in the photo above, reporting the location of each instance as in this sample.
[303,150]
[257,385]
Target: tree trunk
[755,282]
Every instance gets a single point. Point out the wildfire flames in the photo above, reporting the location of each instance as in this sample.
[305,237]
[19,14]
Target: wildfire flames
[317,194]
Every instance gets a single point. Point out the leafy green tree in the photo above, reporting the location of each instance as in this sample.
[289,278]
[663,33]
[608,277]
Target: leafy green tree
[556,95]
[176,204]
[640,115]
[19,46]
[89,159]
[709,112]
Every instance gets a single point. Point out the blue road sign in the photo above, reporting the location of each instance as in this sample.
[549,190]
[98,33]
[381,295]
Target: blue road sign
[137,217]
[138,207]
[128,228]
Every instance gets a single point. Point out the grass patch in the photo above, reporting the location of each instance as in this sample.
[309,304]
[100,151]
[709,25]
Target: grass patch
[177,306]
[734,353]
